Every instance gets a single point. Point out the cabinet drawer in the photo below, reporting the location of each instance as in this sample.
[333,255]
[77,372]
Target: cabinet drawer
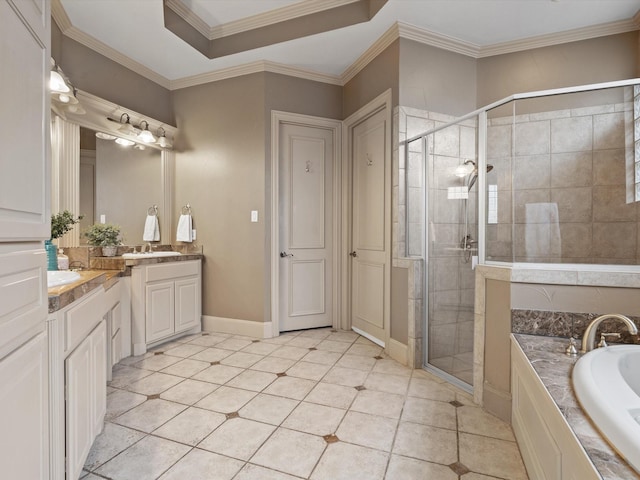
[172,270]
[81,319]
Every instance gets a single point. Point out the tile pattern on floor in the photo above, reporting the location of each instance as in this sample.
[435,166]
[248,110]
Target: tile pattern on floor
[318,404]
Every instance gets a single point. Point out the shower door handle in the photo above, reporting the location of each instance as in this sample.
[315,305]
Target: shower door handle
[354,254]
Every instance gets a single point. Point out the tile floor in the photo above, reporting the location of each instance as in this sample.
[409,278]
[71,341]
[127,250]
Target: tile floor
[317,404]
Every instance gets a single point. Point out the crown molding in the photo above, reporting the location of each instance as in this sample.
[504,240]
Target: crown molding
[254,67]
[396,31]
[60,16]
[575,35]
[271,17]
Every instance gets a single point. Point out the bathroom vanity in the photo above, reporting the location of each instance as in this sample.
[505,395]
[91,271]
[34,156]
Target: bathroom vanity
[165,300]
[92,324]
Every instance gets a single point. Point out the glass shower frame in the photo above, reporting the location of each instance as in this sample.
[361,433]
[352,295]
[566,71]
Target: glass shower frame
[481,115]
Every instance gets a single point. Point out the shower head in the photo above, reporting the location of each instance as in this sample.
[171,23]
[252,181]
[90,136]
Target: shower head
[474,175]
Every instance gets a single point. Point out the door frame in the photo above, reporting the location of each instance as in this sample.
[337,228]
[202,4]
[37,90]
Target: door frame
[279,118]
[381,102]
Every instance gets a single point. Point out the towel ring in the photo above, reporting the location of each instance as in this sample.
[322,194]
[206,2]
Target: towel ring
[152,210]
[186,210]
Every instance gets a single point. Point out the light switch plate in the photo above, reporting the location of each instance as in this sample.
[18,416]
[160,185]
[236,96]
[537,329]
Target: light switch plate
[103,219]
[254,216]
[193,234]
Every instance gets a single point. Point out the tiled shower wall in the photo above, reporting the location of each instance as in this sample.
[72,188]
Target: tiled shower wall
[450,283]
[575,164]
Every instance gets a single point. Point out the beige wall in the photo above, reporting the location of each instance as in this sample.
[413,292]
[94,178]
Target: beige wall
[223,166]
[596,60]
[399,305]
[575,298]
[436,80]
[497,354]
[96,74]
[381,74]
[220,172]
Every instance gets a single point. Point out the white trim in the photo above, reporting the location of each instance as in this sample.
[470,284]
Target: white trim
[236,326]
[253,22]
[277,119]
[375,340]
[381,102]
[254,67]
[398,351]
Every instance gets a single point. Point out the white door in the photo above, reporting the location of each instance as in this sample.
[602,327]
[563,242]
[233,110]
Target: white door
[370,223]
[306,226]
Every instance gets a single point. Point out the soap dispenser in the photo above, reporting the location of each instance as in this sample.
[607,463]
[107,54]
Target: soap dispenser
[63,261]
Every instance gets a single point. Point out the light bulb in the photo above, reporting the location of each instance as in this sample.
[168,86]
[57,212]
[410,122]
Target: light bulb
[57,83]
[124,142]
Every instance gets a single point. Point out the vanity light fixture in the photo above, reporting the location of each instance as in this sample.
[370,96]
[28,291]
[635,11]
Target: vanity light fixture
[57,83]
[145,135]
[124,142]
[127,128]
[162,138]
[105,136]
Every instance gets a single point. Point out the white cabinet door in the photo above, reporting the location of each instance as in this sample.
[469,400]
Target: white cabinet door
[79,419]
[99,374]
[86,372]
[187,304]
[160,306]
[25,137]
[24,417]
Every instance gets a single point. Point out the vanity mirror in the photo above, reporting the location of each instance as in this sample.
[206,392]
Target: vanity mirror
[105,180]
[119,184]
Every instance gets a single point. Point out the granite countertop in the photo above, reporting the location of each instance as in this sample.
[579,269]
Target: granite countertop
[547,357]
[60,297]
[132,262]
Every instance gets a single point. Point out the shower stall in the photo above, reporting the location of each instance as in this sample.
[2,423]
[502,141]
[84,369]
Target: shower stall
[549,179]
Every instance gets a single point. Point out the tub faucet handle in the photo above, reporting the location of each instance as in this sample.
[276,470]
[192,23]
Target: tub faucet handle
[603,336]
[571,349]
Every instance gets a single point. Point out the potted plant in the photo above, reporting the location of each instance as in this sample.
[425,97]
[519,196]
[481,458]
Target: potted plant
[104,235]
[61,223]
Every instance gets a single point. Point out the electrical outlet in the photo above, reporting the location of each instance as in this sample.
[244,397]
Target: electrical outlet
[103,219]
[254,216]
[193,233]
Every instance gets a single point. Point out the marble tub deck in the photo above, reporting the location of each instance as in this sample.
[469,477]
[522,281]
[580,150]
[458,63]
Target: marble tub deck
[546,355]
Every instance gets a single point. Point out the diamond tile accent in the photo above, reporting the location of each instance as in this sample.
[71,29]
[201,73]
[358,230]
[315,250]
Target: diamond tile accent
[205,334]
[459,468]
[331,438]
[255,341]
[155,396]
[281,374]
[378,357]
[456,404]
[312,348]
[232,415]
[215,363]
[158,353]
[360,388]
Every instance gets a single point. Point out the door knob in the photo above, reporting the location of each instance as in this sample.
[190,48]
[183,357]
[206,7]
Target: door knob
[285,254]
[353,254]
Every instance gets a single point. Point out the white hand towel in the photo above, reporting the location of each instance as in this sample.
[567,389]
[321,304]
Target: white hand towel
[151,229]
[184,233]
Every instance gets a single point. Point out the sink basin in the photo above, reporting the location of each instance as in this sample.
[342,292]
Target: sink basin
[150,255]
[61,277]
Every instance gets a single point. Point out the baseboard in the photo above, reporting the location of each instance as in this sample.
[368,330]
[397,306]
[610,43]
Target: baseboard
[398,351]
[236,326]
[497,402]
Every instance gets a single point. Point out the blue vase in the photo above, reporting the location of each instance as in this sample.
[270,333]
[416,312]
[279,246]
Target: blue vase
[52,255]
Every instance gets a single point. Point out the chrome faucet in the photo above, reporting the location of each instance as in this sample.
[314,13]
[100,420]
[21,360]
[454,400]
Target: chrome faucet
[147,246]
[589,336]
